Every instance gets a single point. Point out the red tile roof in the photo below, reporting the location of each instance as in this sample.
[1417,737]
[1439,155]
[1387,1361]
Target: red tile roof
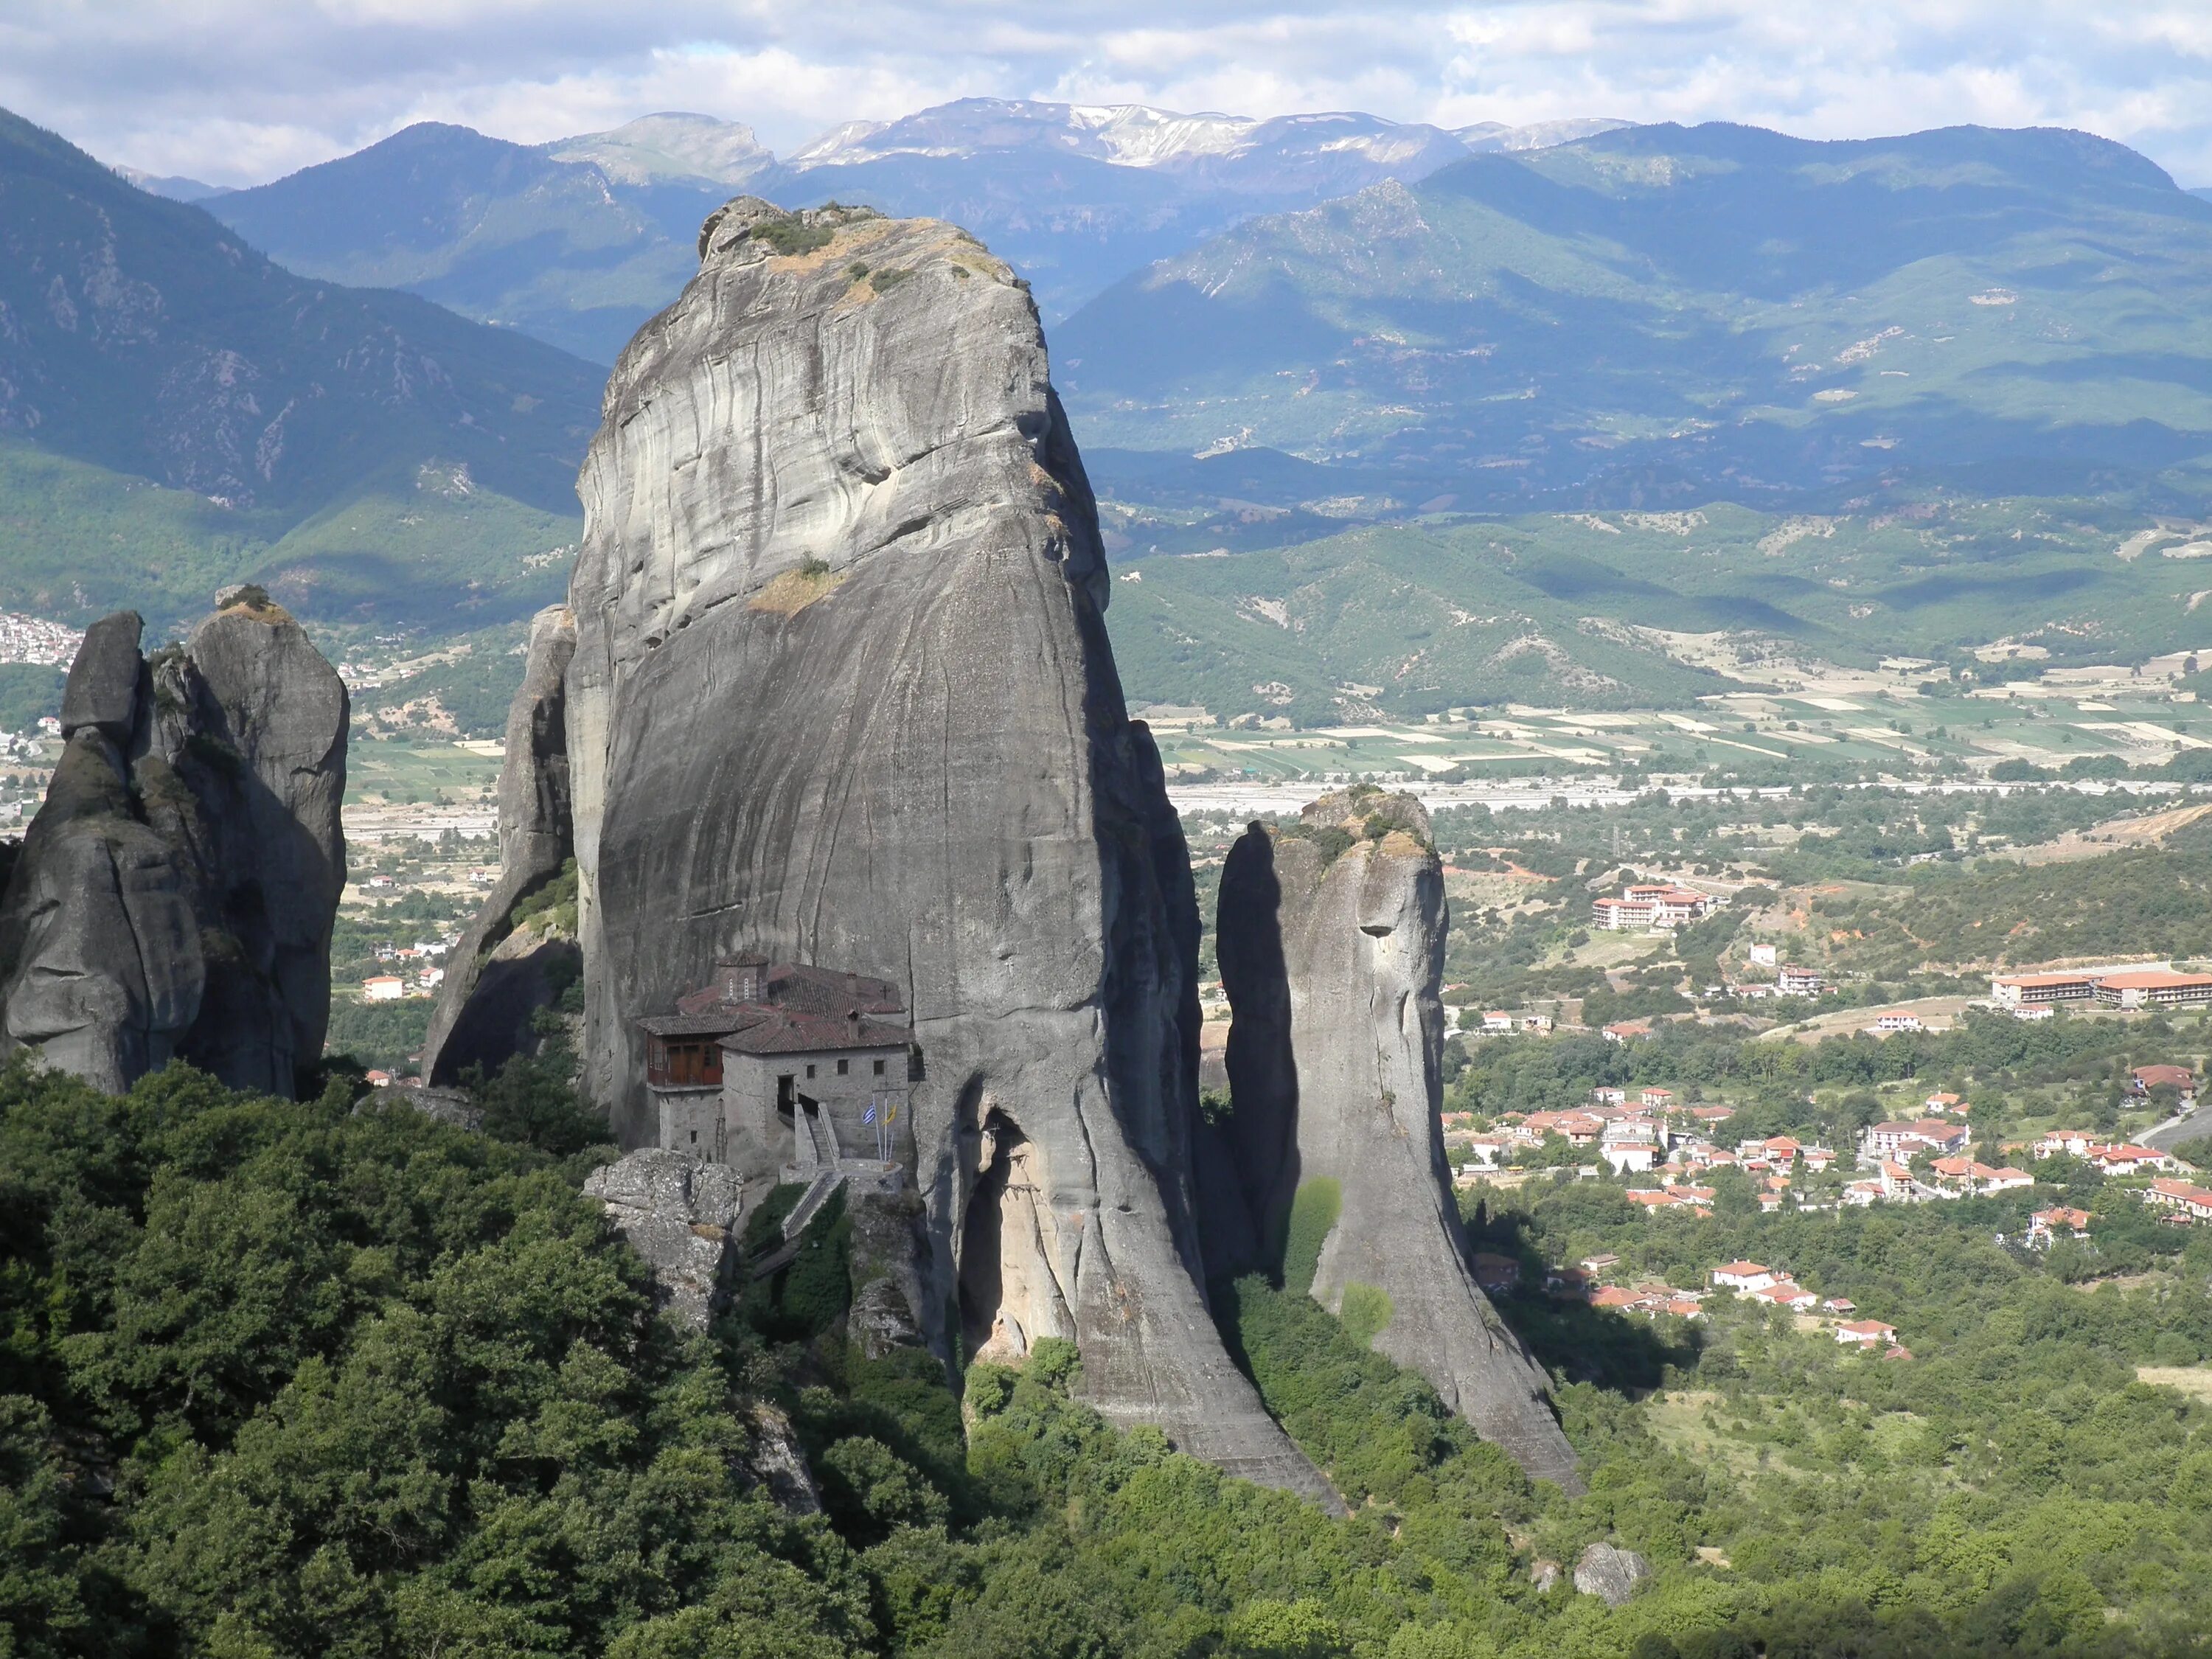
[799,1009]
[2151,1076]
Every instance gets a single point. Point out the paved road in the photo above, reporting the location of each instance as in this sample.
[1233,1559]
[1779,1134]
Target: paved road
[2189,1125]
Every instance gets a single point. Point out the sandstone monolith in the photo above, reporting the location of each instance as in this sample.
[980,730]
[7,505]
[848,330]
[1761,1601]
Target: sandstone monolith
[841,693]
[1331,942]
[175,895]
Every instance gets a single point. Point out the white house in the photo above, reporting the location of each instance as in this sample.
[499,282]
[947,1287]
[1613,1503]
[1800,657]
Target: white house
[1490,1150]
[1633,1146]
[1661,905]
[1785,1293]
[1865,1332]
[1742,1276]
[2045,1225]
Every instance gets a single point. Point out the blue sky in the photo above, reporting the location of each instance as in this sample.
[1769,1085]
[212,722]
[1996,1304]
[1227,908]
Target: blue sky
[237,91]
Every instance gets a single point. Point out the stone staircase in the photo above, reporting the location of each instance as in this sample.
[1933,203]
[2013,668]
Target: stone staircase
[810,1204]
[812,1200]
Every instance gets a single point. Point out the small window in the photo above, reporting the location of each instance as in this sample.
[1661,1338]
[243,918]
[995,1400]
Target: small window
[809,1070]
[879,1068]
[695,1136]
[843,1067]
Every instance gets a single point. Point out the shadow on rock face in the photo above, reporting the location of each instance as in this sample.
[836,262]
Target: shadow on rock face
[1261,1134]
[496,1021]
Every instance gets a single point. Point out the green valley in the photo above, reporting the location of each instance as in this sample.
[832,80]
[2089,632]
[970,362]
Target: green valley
[425,548]
[1612,609]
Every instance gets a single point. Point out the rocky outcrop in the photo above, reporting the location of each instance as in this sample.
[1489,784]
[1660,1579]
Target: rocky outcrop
[502,974]
[889,1255]
[174,896]
[843,694]
[1331,944]
[777,1462]
[676,1212]
[1610,1573]
[455,1107]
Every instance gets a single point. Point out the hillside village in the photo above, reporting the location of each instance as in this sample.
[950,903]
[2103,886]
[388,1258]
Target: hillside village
[1758,1075]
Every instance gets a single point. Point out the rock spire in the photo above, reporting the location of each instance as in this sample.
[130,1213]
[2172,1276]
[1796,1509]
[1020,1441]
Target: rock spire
[174,896]
[501,973]
[1331,942]
[841,693]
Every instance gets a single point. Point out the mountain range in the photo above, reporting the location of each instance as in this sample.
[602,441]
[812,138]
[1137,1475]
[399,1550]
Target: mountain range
[1662,314]
[176,410]
[580,240]
[1988,351]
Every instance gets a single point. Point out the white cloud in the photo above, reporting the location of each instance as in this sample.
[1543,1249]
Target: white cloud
[240,90]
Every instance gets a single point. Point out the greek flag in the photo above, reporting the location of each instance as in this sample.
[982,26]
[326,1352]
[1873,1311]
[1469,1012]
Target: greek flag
[869,1116]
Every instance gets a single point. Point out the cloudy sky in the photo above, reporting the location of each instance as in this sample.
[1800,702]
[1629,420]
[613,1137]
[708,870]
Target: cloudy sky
[239,91]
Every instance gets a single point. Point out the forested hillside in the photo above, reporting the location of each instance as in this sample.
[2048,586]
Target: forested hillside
[289,1379]
[1242,610]
[177,412]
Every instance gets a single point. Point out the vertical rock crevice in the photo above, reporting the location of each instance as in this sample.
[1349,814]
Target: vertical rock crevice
[502,973]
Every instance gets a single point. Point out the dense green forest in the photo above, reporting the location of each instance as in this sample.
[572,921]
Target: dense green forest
[288,1378]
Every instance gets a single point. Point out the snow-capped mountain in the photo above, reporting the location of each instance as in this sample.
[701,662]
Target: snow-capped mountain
[1287,154]
[580,240]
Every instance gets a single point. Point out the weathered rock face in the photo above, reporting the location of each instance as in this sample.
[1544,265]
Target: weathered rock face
[175,894]
[891,1304]
[500,975]
[457,1107]
[1331,942]
[676,1212]
[778,1462]
[841,693]
[1611,1573]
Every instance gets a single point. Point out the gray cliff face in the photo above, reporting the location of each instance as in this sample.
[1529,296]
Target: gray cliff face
[175,894]
[501,976]
[1331,955]
[676,1212]
[841,693]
